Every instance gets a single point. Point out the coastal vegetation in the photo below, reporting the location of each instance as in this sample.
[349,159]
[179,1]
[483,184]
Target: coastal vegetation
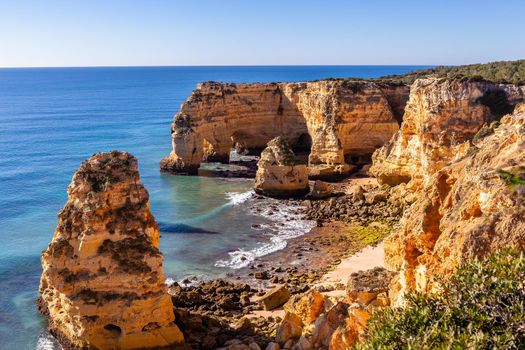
[481,307]
[512,72]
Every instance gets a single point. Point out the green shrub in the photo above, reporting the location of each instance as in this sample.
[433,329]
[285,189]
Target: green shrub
[514,177]
[482,307]
[500,72]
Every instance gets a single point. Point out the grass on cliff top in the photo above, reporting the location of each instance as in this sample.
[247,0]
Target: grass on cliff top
[482,307]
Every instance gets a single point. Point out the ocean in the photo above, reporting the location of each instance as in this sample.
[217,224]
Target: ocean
[51,119]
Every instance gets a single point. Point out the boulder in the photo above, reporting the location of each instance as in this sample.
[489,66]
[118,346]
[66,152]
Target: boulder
[302,344]
[351,330]
[327,323]
[103,284]
[275,297]
[364,286]
[291,327]
[273,346]
[320,190]
[308,306]
[244,326]
[279,172]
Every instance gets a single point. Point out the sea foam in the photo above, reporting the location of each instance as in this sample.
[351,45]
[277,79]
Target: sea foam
[237,198]
[283,224]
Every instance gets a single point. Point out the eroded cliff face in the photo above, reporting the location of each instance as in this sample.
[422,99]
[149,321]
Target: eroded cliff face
[440,118]
[102,285]
[336,121]
[472,207]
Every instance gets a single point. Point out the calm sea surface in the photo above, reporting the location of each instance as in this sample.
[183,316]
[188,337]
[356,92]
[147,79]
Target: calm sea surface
[52,119]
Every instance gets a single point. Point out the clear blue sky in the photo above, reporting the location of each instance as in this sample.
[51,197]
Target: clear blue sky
[259,32]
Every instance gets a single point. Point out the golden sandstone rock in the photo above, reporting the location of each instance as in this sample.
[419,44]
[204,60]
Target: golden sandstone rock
[335,121]
[103,285]
[441,115]
[291,327]
[308,306]
[469,208]
[279,172]
[275,297]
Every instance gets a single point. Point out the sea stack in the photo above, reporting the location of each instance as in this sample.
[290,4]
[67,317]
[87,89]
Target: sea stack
[279,172]
[103,284]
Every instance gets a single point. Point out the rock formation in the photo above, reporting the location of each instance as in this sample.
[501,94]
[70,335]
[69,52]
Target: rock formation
[471,207]
[279,172]
[441,115]
[102,284]
[336,121]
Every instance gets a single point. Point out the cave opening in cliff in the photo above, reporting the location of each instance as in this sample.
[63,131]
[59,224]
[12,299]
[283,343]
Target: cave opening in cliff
[115,330]
[497,102]
[303,144]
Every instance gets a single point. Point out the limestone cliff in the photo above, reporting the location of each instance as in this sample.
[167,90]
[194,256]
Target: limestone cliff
[471,207]
[279,172]
[102,284]
[440,118]
[336,121]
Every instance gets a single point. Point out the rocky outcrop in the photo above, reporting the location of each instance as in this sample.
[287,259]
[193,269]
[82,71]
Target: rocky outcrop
[103,284]
[471,207]
[364,287]
[440,118]
[279,172]
[335,121]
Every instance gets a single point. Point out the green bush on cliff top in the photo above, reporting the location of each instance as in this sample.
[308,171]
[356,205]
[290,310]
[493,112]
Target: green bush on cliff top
[482,307]
[500,72]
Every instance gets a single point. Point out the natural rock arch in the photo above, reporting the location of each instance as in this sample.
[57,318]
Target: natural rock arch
[341,118]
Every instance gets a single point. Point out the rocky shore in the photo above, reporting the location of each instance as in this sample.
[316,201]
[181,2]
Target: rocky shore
[232,312]
[448,186]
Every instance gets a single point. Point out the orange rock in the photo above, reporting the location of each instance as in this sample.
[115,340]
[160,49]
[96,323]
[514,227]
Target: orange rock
[279,172]
[308,306]
[275,297]
[440,117]
[291,327]
[364,286]
[331,119]
[103,284]
[351,330]
[472,207]
[327,324]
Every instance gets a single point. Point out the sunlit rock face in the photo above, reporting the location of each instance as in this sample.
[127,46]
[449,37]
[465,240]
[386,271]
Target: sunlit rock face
[336,121]
[440,117]
[102,284]
[279,172]
[471,207]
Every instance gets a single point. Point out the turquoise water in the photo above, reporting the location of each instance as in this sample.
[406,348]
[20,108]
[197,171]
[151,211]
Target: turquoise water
[53,119]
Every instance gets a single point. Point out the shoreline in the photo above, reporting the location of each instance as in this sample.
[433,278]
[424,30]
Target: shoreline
[322,259]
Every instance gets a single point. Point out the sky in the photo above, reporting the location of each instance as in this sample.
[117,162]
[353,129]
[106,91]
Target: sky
[60,33]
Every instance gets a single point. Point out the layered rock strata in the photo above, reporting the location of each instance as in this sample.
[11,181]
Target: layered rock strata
[279,172]
[471,207]
[103,285]
[335,121]
[440,118]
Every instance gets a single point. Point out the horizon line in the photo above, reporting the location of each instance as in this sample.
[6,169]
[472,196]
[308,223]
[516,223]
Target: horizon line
[233,65]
